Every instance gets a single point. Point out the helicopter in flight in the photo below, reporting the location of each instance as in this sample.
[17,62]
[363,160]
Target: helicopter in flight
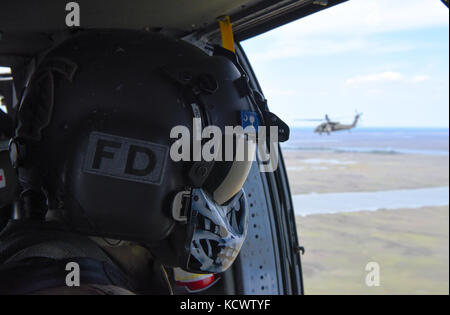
[330,126]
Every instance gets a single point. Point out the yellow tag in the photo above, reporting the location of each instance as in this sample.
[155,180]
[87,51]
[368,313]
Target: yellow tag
[226,30]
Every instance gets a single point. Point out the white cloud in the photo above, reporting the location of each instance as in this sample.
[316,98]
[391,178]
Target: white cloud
[326,47]
[420,78]
[360,43]
[387,76]
[309,47]
[364,17]
[279,91]
[349,27]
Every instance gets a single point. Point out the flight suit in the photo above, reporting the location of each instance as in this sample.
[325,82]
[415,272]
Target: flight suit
[34,257]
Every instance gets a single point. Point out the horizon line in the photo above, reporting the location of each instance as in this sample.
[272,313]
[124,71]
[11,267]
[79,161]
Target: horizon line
[381,127]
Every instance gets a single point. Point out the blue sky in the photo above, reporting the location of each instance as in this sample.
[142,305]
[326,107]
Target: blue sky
[387,59]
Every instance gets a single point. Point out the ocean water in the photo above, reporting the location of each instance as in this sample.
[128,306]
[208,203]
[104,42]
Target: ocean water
[308,204]
[372,140]
[386,141]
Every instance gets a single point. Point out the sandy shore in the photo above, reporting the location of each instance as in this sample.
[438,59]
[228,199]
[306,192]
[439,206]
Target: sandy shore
[410,245]
[326,172]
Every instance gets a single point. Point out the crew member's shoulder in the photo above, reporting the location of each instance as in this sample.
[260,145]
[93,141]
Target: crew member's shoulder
[93,289]
[29,238]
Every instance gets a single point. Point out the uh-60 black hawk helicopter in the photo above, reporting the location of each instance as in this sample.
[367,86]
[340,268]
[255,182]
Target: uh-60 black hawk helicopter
[330,126]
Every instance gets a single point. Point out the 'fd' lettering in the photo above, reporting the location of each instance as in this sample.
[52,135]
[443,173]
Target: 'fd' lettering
[133,153]
[125,158]
[101,153]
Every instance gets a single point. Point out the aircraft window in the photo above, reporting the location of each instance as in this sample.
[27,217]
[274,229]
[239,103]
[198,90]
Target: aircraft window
[5,75]
[364,88]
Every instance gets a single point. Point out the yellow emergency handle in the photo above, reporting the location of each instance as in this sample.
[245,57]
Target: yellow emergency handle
[226,30]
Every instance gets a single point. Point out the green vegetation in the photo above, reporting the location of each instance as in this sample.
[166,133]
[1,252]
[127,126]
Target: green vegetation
[411,247]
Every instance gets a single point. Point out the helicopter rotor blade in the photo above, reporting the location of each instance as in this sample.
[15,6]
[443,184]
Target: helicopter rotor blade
[308,120]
